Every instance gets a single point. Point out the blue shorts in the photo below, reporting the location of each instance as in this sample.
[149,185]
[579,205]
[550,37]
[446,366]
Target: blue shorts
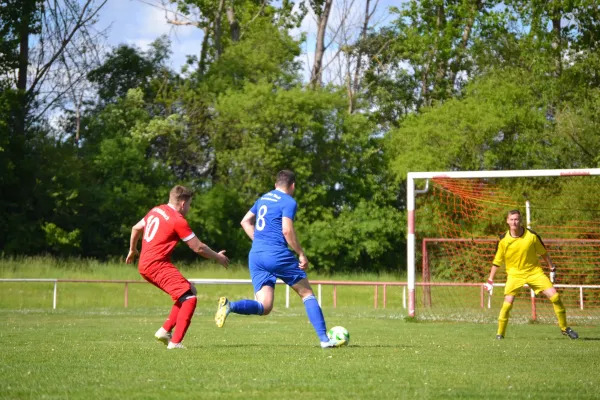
[266,267]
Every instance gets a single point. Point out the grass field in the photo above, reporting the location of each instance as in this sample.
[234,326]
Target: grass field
[95,348]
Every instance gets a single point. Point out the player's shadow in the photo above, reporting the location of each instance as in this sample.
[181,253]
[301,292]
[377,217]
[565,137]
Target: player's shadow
[386,346]
[246,345]
[590,338]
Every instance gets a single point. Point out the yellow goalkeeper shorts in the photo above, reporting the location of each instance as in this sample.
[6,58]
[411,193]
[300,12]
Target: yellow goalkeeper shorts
[537,281]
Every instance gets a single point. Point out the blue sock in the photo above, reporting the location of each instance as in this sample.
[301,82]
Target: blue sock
[247,307]
[315,316]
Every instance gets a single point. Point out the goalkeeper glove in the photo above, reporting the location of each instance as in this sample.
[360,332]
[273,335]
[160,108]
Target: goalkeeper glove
[489,285]
[552,274]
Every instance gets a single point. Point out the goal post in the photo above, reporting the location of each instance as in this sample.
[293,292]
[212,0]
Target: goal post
[475,203]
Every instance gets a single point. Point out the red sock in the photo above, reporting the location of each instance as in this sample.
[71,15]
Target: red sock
[172,320]
[184,319]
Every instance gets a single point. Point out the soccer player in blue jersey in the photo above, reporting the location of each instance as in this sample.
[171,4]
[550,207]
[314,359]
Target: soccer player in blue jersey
[270,226]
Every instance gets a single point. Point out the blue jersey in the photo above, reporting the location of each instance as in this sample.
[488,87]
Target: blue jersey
[269,211]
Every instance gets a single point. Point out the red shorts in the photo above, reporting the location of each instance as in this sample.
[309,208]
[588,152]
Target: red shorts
[166,277]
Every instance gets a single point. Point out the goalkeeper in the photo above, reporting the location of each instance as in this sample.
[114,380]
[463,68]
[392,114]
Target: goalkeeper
[518,250]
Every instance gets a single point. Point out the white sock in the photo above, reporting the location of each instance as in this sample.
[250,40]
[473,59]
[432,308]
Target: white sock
[161,332]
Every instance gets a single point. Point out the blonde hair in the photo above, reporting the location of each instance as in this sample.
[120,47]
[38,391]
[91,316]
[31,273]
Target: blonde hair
[180,193]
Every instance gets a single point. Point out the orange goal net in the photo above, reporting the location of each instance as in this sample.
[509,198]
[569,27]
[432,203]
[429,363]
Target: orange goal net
[457,229]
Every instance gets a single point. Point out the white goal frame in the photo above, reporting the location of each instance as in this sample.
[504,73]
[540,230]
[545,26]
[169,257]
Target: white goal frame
[410,206]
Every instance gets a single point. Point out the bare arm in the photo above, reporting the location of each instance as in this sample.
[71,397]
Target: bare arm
[248,224]
[287,226]
[493,272]
[489,285]
[136,233]
[202,249]
[548,260]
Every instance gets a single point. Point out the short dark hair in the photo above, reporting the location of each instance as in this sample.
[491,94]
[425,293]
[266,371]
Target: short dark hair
[179,193]
[512,212]
[285,178]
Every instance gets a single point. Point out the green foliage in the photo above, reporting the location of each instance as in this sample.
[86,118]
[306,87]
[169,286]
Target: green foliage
[499,123]
[577,128]
[367,238]
[123,183]
[264,53]
[206,218]
[62,242]
[338,163]
[426,53]
[445,85]
[16,16]
[127,68]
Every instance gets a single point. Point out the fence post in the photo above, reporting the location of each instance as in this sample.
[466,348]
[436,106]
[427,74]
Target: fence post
[54,295]
[533,310]
[426,275]
[481,298]
[376,296]
[581,297]
[334,296]
[319,287]
[126,295]
[384,295]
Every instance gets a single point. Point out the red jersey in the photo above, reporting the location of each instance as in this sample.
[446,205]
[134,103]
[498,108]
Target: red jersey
[164,227]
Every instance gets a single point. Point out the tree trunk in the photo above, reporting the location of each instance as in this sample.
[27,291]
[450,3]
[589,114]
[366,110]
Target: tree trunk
[557,42]
[23,65]
[354,85]
[234,25]
[203,52]
[463,44]
[218,18]
[316,74]
[442,62]
[433,58]
[23,49]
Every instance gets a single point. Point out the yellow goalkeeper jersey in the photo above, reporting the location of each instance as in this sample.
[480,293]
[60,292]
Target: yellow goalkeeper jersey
[520,254]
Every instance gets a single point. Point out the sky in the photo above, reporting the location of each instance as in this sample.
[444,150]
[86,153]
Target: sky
[136,22]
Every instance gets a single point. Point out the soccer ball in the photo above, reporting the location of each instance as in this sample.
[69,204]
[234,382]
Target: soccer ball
[339,333]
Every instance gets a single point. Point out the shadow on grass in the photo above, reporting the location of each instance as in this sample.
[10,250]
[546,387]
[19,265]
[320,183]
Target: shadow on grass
[386,346]
[354,346]
[591,339]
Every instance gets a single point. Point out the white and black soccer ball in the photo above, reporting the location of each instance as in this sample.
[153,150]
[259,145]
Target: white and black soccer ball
[339,333]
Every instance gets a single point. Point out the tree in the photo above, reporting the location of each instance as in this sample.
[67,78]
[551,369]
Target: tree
[122,181]
[499,123]
[321,8]
[59,26]
[19,20]
[426,55]
[127,67]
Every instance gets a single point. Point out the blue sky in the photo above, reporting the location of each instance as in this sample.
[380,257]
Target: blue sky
[137,23]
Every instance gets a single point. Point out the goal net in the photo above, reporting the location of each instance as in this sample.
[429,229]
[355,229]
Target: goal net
[456,223]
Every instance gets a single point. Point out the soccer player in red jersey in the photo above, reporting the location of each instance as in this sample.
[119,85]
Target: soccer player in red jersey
[162,228]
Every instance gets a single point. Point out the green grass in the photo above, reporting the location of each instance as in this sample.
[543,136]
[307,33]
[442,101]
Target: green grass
[100,353]
[93,347]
